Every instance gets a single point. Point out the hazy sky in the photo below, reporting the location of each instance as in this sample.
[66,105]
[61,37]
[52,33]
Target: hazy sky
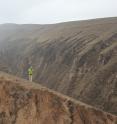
[54,11]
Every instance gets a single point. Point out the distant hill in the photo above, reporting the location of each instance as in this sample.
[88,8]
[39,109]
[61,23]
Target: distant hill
[78,58]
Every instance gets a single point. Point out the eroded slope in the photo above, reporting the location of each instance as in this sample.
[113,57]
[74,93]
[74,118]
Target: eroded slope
[23,102]
[76,58]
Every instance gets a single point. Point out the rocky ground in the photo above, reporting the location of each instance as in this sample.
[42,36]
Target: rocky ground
[23,102]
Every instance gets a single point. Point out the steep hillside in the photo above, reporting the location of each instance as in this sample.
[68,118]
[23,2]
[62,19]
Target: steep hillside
[23,102]
[78,59]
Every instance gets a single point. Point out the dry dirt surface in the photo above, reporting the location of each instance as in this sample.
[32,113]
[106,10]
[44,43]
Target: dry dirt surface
[23,102]
[78,59]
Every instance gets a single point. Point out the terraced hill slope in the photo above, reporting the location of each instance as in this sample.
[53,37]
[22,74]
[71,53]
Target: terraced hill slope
[23,102]
[78,59]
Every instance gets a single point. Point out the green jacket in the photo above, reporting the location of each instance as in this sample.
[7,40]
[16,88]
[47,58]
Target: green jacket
[30,71]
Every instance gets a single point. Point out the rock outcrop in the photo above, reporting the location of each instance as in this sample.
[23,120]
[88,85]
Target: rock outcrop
[23,102]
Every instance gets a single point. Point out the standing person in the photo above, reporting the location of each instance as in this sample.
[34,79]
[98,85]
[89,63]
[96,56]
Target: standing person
[30,73]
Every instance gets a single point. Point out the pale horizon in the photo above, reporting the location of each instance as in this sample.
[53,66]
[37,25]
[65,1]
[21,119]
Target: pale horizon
[54,11]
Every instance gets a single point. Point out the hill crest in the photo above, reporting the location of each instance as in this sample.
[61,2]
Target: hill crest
[23,102]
